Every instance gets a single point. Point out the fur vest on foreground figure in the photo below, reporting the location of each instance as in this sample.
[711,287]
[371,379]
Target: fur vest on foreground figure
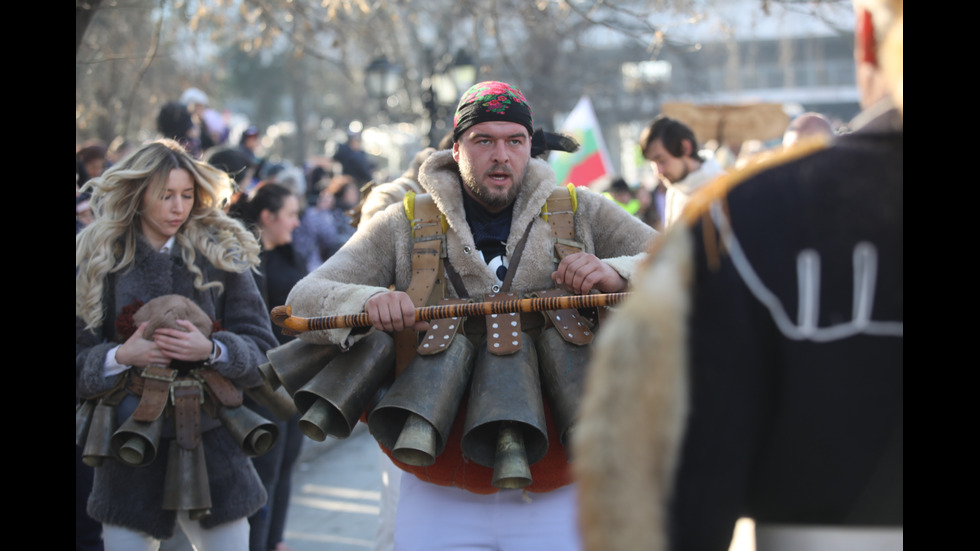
[763,348]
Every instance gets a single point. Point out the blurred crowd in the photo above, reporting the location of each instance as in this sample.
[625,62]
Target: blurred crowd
[301,215]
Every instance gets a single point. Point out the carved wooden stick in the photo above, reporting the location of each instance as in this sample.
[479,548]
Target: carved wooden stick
[282,315]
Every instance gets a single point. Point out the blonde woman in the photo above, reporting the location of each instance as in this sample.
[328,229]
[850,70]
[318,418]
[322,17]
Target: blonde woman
[159,229]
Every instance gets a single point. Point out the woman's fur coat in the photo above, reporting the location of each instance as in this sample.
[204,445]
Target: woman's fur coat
[132,496]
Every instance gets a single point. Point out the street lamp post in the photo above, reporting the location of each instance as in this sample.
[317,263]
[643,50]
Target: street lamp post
[446,82]
[381,78]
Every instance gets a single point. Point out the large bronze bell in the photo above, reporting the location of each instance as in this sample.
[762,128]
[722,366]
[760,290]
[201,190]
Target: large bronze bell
[563,367]
[135,443]
[83,420]
[505,412]
[254,434]
[277,401]
[185,485]
[335,398]
[98,445]
[415,416]
[293,364]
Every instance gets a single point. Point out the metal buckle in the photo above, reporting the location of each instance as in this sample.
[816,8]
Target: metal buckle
[567,242]
[159,373]
[184,383]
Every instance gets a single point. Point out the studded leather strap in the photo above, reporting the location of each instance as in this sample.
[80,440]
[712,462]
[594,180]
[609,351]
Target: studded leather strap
[572,327]
[503,330]
[441,332]
[188,397]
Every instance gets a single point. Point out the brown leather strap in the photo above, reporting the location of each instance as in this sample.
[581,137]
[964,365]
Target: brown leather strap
[455,279]
[503,330]
[188,397]
[561,215]
[426,279]
[428,282]
[572,327]
[530,321]
[563,249]
[155,392]
[515,259]
[223,390]
[441,331]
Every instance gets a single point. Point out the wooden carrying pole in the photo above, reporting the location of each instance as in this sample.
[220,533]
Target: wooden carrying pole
[282,315]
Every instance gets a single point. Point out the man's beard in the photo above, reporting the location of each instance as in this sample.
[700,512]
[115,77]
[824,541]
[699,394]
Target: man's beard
[482,193]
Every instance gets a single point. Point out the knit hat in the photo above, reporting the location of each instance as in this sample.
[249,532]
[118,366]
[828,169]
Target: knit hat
[491,101]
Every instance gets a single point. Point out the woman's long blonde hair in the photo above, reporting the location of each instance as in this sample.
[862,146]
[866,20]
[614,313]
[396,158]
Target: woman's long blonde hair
[108,244]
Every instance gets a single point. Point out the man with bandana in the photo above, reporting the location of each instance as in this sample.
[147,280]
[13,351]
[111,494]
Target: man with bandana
[491,192]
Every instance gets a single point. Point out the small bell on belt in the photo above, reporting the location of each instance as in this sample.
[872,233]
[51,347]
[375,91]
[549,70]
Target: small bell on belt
[415,416]
[563,369]
[335,398]
[293,364]
[277,401]
[505,412]
[136,442]
[83,420]
[98,445]
[254,434]
[185,485]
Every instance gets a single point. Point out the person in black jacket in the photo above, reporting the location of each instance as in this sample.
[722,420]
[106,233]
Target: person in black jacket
[272,210]
[763,350]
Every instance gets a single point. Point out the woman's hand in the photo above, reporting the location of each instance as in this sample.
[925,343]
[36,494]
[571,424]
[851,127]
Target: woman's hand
[139,352]
[190,345]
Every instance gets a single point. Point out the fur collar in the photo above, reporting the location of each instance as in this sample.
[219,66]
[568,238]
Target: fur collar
[439,177]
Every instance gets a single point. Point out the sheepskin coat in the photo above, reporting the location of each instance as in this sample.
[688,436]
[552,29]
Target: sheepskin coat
[132,496]
[379,255]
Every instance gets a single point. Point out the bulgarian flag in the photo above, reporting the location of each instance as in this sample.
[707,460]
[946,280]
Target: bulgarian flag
[591,161]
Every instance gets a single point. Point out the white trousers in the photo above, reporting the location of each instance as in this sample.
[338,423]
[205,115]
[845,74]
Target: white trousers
[231,536]
[390,484]
[433,518]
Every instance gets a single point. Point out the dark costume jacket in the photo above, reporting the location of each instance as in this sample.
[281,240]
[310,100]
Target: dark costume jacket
[774,388]
[132,496]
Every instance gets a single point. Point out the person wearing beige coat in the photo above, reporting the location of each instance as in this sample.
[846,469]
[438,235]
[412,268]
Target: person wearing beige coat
[441,504]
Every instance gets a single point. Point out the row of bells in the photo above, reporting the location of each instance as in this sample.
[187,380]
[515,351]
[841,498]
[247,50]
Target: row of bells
[504,428]
[137,443]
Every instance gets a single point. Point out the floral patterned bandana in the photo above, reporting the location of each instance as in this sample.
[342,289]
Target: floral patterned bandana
[491,101]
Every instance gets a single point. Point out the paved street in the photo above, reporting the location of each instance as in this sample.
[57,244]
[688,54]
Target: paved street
[336,496]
